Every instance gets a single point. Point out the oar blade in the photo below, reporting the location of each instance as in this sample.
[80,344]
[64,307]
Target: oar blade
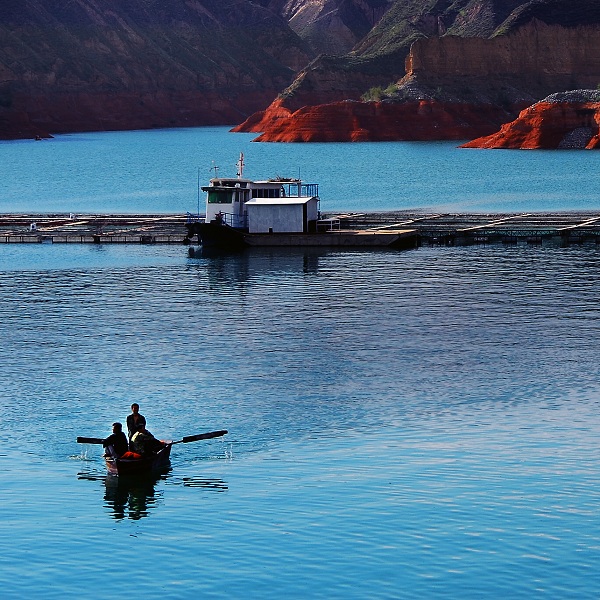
[88,440]
[203,436]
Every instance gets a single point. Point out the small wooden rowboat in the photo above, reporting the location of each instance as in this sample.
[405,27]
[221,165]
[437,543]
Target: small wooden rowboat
[147,464]
[133,466]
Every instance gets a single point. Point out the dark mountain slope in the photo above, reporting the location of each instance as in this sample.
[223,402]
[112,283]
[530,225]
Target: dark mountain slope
[330,26]
[113,64]
[117,64]
[568,13]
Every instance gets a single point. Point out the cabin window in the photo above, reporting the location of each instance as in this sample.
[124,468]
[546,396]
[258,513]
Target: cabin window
[220,197]
[266,193]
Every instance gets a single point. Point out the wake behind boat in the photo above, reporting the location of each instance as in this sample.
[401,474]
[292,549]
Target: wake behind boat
[242,213]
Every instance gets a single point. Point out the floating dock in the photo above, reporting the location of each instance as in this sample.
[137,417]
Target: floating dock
[92,229]
[560,228]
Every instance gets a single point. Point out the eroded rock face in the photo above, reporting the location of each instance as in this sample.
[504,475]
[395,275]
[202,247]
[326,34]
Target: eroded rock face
[556,56]
[491,79]
[378,121]
[562,121]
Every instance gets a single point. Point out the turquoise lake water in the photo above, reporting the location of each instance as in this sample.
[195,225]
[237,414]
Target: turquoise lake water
[157,171]
[419,424]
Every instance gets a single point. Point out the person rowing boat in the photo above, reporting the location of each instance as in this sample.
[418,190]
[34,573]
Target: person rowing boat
[116,444]
[144,443]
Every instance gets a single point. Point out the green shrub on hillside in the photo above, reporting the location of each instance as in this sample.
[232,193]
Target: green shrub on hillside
[377,94]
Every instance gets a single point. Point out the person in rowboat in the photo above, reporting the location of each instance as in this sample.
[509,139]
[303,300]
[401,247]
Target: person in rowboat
[144,443]
[116,444]
[134,419]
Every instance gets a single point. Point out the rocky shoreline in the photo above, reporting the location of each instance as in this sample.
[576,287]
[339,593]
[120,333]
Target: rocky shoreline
[454,89]
[564,121]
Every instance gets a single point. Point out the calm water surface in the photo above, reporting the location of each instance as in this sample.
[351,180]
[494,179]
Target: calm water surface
[401,425]
[157,172]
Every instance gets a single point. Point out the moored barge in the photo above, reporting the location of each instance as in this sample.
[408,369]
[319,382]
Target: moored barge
[242,213]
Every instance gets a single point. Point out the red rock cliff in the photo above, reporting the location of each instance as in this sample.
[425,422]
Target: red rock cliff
[491,80]
[557,57]
[567,120]
[379,121]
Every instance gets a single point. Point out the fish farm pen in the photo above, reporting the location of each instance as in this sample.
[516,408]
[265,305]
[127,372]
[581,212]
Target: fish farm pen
[93,229]
[562,228]
[431,229]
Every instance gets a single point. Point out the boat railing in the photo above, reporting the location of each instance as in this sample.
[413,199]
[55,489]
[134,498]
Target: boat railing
[328,224]
[300,190]
[237,221]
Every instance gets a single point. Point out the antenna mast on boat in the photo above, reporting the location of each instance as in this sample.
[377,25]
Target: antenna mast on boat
[215,168]
[240,165]
[198,188]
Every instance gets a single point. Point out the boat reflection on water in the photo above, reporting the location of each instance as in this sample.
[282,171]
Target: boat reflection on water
[131,497]
[224,270]
[135,497]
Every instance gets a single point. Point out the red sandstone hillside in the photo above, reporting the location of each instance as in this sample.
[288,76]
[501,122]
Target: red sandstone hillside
[566,120]
[352,121]
[514,54]
[455,88]
[83,65]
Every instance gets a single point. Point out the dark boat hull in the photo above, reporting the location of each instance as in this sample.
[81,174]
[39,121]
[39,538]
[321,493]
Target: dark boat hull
[150,464]
[217,235]
[225,238]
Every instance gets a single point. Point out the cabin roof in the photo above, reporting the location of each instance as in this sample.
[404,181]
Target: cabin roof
[279,181]
[231,179]
[280,201]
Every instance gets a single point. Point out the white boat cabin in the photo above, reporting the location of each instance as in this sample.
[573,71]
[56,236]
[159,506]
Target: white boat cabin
[272,206]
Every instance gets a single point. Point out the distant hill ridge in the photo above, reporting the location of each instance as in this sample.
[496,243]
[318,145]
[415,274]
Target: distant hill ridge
[89,65]
[379,59]
[140,63]
[449,87]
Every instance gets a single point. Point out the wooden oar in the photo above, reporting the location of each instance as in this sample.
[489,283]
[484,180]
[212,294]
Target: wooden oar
[201,436]
[85,440]
[185,440]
